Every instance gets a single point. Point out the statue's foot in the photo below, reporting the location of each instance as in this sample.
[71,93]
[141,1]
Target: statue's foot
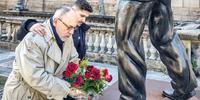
[124,97]
[177,96]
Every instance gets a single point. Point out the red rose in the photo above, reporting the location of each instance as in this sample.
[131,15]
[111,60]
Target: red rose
[95,74]
[78,81]
[105,72]
[87,75]
[108,78]
[89,68]
[75,85]
[66,74]
[72,67]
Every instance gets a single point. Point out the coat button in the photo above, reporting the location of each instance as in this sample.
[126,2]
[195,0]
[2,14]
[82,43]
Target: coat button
[29,97]
[49,97]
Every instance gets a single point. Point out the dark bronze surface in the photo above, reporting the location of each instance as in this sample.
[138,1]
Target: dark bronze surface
[132,15]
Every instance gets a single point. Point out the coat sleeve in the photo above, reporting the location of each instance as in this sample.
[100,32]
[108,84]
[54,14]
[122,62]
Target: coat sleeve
[32,69]
[23,30]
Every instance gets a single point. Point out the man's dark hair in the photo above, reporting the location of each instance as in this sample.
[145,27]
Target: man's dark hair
[83,5]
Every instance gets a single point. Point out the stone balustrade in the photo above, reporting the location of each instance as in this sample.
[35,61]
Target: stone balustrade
[101,45]
[100,39]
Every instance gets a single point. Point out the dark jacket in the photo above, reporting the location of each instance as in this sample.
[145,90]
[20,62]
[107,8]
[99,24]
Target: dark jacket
[78,36]
[79,39]
[23,30]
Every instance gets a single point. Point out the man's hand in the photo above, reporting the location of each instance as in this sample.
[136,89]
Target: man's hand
[38,28]
[78,94]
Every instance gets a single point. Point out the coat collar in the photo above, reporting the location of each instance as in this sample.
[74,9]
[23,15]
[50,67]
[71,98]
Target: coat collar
[54,51]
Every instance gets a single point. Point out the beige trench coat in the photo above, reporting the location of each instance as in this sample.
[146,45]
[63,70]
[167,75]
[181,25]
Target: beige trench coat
[38,67]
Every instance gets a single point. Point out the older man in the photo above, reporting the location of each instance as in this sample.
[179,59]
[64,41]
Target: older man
[41,60]
[78,36]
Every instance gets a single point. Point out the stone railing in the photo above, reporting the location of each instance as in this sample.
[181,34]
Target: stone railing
[101,45]
[100,39]
[8,28]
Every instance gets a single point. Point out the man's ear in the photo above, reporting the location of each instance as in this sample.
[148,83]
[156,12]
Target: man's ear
[55,21]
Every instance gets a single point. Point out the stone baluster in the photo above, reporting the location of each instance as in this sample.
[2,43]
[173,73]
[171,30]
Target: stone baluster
[148,45]
[103,42]
[89,42]
[109,44]
[157,55]
[1,25]
[114,46]
[8,31]
[96,43]
[153,52]
[145,39]
[14,33]
[198,56]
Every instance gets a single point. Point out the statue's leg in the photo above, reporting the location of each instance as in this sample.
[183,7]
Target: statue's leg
[172,52]
[130,21]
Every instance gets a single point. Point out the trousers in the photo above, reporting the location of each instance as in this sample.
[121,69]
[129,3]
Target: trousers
[131,18]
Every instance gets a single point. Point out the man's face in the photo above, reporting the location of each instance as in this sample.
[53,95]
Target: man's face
[82,15]
[66,24]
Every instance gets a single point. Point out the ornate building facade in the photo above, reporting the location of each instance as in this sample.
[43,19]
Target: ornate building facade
[184,10]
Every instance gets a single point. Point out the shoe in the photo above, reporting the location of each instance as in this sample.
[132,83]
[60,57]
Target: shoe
[177,96]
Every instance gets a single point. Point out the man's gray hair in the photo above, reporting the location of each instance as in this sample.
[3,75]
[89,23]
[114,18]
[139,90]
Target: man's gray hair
[61,11]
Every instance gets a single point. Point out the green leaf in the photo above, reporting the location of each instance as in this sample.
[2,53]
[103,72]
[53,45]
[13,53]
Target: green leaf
[73,76]
[91,92]
[83,63]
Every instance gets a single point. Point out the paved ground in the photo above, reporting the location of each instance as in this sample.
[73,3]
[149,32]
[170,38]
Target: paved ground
[154,90]
[6,60]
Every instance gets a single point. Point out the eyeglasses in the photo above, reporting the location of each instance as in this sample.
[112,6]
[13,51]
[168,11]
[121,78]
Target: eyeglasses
[67,26]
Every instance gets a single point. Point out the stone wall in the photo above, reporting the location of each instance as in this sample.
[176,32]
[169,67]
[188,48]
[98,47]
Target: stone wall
[51,5]
[3,4]
[184,10]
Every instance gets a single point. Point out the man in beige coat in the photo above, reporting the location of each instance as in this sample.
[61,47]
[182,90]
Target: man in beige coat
[41,60]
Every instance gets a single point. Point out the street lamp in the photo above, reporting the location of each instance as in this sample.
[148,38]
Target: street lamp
[101,7]
[19,5]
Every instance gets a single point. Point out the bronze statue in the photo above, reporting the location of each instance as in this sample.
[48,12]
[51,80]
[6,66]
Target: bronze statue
[132,15]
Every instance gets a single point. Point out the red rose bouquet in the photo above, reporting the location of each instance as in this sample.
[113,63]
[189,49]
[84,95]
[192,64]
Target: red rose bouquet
[86,77]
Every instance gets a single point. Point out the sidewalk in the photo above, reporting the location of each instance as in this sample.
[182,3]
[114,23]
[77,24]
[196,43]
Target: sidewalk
[156,82]
[154,90]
